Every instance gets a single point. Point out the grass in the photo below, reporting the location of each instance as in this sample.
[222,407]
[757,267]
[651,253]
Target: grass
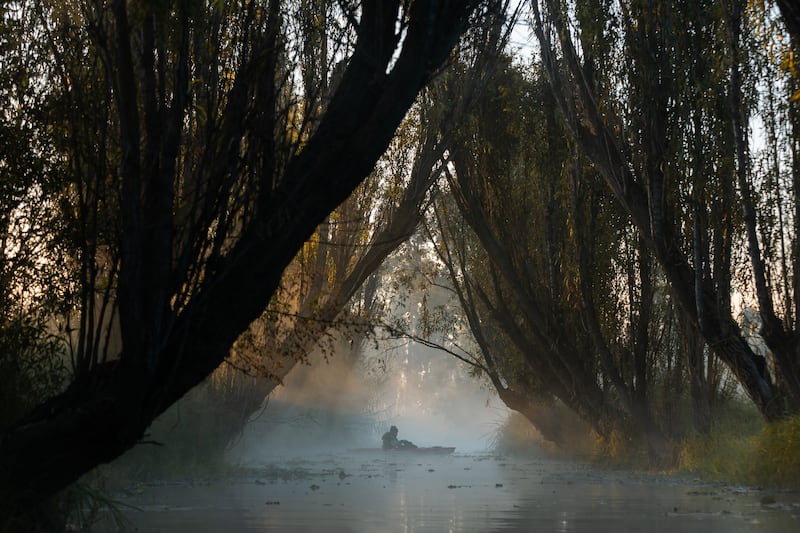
[516,436]
[777,454]
[618,450]
[766,456]
[719,455]
[740,448]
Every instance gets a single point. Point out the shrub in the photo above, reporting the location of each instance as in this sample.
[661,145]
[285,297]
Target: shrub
[719,455]
[776,454]
[619,449]
[737,451]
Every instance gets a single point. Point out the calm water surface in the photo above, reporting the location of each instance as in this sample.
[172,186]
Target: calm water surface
[396,492]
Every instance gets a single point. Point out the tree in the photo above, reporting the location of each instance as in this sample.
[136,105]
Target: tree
[32,290]
[329,291]
[671,158]
[791,14]
[221,170]
[562,296]
[543,297]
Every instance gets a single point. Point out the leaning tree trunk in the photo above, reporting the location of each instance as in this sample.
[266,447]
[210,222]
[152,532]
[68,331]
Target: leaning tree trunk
[644,198]
[102,415]
[559,426]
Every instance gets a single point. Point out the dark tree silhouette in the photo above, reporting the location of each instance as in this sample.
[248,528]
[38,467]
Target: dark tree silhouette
[207,227]
[790,11]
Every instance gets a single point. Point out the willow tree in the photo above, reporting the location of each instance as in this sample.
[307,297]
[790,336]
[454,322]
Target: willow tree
[328,303]
[561,295]
[199,169]
[327,297]
[658,96]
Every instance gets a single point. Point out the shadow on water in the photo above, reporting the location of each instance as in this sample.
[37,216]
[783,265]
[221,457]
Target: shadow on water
[374,492]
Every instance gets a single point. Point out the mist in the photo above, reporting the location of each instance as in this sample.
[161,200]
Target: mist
[310,460]
[335,405]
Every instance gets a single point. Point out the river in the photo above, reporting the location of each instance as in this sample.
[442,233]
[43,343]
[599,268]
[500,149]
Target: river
[401,492]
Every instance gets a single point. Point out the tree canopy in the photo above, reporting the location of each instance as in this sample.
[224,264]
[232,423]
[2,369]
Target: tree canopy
[618,218]
[191,160]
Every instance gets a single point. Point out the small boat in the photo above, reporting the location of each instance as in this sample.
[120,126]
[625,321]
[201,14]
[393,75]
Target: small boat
[444,450]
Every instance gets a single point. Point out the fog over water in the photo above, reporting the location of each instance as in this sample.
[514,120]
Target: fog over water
[334,406]
[299,470]
[399,492]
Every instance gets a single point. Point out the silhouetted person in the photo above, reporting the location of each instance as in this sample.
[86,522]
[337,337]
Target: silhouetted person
[390,441]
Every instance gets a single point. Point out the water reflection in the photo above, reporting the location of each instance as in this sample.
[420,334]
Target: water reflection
[455,493]
[563,524]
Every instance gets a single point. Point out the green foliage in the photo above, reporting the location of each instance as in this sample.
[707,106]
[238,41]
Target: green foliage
[78,508]
[83,505]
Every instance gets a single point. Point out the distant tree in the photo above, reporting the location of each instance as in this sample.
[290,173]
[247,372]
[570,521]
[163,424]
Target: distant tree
[198,167]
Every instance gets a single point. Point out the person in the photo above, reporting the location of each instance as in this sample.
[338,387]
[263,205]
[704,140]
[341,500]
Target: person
[390,441]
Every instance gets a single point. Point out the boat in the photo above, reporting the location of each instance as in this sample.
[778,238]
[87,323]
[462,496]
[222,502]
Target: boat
[444,450]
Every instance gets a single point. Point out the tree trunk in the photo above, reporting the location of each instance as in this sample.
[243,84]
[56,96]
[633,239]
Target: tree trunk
[99,417]
[559,426]
[601,144]
[694,348]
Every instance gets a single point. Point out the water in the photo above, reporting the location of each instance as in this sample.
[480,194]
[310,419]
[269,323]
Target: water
[397,492]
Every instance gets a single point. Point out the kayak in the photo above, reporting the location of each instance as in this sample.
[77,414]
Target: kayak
[430,449]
